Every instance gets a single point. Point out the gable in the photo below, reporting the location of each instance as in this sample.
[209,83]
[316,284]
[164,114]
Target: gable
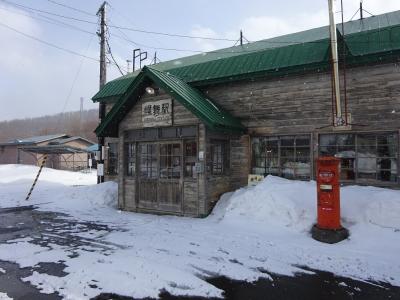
[193,100]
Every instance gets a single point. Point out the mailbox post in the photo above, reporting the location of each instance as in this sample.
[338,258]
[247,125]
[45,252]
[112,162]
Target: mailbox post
[328,228]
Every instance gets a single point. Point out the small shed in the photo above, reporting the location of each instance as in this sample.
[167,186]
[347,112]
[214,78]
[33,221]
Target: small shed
[64,151]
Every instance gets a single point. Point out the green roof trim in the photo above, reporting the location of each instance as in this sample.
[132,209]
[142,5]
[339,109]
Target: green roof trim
[212,116]
[303,51]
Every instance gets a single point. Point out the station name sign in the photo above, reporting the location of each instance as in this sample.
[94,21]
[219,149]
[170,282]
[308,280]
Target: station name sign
[157,113]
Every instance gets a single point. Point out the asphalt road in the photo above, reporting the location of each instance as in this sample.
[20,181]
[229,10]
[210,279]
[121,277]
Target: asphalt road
[45,228]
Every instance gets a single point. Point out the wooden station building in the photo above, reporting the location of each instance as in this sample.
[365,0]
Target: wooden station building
[181,133]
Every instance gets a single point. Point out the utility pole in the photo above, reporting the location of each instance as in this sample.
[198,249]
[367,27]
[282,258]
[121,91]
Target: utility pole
[103,78]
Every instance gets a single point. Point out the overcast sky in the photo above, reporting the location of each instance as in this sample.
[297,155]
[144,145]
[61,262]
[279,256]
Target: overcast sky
[36,79]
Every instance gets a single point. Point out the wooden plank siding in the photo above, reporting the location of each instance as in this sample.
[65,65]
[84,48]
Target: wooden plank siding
[304,104]
[280,106]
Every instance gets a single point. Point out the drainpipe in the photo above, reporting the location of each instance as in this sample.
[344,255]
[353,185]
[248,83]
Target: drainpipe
[335,64]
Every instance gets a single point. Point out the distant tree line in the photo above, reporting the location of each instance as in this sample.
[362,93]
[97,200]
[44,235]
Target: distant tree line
[72,123]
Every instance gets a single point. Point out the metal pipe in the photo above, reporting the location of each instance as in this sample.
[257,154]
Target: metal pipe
[344,69]
[335,63]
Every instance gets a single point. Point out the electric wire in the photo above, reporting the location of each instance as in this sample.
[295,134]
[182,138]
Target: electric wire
[76,77]
[120,28]
[43,18]
[48,43]
[112,57]
[70,7]
[52,44]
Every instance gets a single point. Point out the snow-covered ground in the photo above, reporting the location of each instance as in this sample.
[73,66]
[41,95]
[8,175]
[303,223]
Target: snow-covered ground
[251,231]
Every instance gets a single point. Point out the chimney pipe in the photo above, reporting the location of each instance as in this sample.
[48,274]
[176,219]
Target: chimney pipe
[335,64]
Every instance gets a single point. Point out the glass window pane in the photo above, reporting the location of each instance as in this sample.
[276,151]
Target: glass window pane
[346,152]
[188,131]
[387,163]
[387,139]
[303,140]
[387,151]
[287,141]
[366,163]
[303,151]
[150,133]
[327,140]
[287,152]
[345,139]
[169,132]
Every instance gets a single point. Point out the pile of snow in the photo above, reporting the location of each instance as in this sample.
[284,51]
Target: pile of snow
[280,202]
[12,173]
[251,231]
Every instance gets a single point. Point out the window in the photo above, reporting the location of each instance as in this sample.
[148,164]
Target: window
[154,134]
[170,160]
[148,160]
[219,157]
[286,156]
[364,156]
[190,157]
[112,168]
[130,150]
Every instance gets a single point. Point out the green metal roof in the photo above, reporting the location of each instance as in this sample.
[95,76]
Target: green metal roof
[298,51]
[212,116]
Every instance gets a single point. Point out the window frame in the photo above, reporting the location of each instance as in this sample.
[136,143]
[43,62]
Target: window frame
[130,159]
[278,167]
[223,160]
[356,159]
[112,159]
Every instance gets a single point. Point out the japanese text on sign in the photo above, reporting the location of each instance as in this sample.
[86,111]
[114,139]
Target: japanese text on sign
[158,113]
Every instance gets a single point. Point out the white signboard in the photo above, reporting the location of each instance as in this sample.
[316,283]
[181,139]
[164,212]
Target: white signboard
[157,113]
[254,179]
[100,170]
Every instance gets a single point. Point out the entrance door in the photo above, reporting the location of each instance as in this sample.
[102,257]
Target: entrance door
[160,172]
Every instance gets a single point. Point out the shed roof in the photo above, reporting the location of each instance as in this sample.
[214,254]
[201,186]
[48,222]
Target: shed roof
[303,50]
[35,139]
[53,149]
[201,106]
[69,139]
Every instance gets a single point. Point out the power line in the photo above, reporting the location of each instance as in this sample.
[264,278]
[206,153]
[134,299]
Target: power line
[121,27]
[163,33]
[52,45]
[75,78]
[70,7]
[47,19]
[48,43]
[112,57]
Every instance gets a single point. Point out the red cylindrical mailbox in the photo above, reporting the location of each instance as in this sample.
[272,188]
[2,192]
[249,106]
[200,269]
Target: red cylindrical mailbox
[328,192]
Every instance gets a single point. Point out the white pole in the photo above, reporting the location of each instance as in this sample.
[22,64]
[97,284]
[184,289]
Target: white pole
[335,62]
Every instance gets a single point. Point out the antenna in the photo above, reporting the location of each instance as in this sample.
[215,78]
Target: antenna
[142,57]
[361,10]
[241,37]
[128,66]
[136,54]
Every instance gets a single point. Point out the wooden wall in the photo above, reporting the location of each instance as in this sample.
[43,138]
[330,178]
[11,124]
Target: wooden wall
[193,190]
[286,105]
[303,103]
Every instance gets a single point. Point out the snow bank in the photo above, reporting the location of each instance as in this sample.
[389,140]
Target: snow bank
[292,204]
[251,231]
[11,173]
